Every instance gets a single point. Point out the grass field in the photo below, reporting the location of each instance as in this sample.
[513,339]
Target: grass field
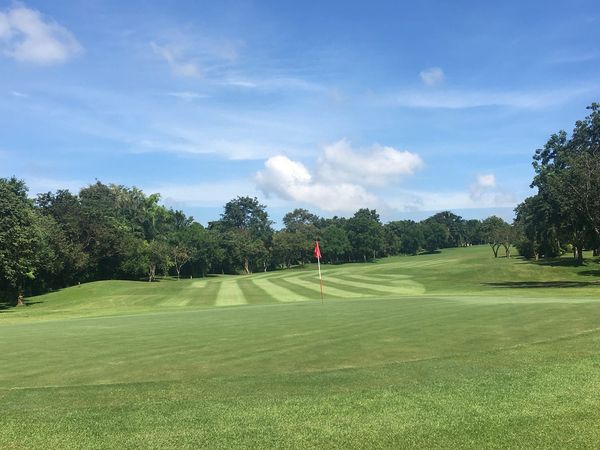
[456,349]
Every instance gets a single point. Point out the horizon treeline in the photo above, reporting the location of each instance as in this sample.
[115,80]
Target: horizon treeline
[58,239]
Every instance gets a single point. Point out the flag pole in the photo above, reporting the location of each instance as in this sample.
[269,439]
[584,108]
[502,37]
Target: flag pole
[317,254]
[320,278]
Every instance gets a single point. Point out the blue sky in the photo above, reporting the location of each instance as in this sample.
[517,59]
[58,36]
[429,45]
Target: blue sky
[407,107]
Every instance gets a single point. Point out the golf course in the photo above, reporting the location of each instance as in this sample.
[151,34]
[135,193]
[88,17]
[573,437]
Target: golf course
[450,349]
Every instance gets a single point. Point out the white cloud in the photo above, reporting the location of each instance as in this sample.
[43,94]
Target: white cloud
[377,166]
[432,76]
[291,180]
[485,191]
[340,179]
[174,57]
[486,181]
[187,96]
[460,99]
[27,36]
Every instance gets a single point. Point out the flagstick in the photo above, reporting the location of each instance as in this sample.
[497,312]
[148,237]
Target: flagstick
[320,278]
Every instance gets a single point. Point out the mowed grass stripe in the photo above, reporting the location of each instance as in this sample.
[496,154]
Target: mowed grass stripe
[297,289]
[230,294]
[254,293]
[398,287]
[357,289]
[330,290]
[280,293]
[374,276]
[205,294]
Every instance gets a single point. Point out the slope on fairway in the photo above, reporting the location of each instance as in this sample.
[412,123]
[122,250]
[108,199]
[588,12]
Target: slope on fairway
[505,365]
[464,272]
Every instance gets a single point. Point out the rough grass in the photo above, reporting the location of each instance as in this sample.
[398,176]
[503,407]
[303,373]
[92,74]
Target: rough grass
[449,350]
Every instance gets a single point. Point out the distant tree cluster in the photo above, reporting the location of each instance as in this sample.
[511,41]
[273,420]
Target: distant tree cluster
[564,215]
[115,232]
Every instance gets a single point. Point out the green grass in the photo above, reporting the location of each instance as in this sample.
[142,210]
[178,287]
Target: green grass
[456,349]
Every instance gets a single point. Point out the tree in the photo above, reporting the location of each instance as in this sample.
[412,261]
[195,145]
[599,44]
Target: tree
[247,233]
[159,258]
[182,245]
[365,233]
[568,179]
[20,238]
[335,243]
[290,247]
[472,232]
[455,235]
[495,232]
[246,213]
[435,234]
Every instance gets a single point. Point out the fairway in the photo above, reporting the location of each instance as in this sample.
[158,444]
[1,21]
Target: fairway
[454,349]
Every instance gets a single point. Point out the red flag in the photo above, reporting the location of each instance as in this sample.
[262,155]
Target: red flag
[317,251]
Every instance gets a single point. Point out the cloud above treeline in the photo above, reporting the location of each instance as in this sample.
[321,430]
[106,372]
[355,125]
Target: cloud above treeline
[179,64]
[27,36]
[340,179]
[432,76]
[485,190]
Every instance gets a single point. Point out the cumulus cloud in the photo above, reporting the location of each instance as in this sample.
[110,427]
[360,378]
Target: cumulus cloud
[291,180]
[27,36]
[485,190]
[377,166]
[176,60]
[339,180]
[432,76]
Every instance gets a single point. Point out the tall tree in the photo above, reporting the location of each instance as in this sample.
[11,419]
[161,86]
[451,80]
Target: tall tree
[248,233]
[568,178]
[20,238]
[365,233]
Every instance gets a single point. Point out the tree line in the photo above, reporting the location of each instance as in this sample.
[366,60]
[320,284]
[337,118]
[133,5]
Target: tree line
[59,239]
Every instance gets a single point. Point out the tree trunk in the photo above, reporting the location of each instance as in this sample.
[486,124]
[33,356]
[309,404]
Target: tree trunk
[246,266]
[578,250]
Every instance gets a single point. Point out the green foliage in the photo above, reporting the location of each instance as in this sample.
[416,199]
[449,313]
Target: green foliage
[566,208]
[336,242]
[365,234]
[21,237]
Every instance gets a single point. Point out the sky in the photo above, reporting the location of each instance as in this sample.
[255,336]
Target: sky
[408,107]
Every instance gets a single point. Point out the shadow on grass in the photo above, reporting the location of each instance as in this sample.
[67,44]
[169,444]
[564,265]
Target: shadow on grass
[557,262]
[7,307]
[543,284]
[590,273]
